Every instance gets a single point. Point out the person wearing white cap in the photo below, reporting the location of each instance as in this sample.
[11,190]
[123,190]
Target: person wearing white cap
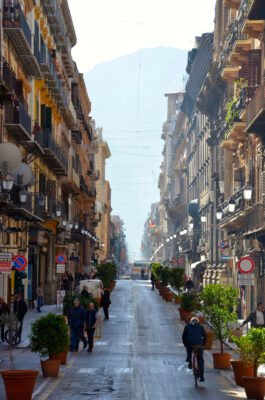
[194,335]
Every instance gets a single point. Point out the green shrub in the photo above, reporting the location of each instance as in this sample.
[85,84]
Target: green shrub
[252,347]
[189,302]
[68,302]
[176,279]
[49,334]
[218,304]
[107,273]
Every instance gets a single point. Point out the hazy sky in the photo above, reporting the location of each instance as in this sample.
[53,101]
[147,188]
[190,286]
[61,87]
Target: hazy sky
[109,29]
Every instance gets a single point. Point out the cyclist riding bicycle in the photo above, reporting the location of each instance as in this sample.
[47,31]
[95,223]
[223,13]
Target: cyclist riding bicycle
[194,335]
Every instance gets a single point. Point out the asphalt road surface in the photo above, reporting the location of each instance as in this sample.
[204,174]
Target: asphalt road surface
[139,357]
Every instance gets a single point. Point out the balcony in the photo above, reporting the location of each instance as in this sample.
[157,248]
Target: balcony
[48,6]
[53,154]
[233,221]
[19,33]
[230,72]
[94,175]
[71,183]
[67,58]
[29,211]
[70,116]
[83,185]
[234,4]
[77,136]
[18,122]
[255,219]
[255,116]
[177,204]
[253,29]
[187,245]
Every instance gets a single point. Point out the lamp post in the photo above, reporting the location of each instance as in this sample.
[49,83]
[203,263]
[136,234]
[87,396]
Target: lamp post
[247,192]
[231,206]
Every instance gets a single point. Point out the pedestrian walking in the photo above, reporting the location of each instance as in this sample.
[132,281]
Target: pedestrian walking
[189,284]
[105,303]
[40,297]
[194,335]
[85,293]
[76,319]
[142,273]
[3,310]
[91,322]
[152,280]
[20,309]
[256,318]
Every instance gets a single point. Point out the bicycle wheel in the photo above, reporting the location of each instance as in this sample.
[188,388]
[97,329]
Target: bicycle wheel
[14,340]
[195,369]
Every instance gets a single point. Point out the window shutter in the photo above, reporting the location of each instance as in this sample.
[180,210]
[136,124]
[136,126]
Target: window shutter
[19,88]
[43,116]
[243,72]
[254,70]
[263,183]
[42,184]
[48,119]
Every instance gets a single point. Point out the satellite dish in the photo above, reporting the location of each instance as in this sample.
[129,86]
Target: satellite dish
[10,156]
[23,174]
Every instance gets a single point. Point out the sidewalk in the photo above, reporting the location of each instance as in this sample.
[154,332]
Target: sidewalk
[30,317]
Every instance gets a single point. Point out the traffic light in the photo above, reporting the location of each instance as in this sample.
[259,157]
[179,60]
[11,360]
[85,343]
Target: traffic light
[19,276]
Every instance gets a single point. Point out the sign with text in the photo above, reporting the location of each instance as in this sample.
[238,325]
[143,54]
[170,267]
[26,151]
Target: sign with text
[60,268]
[5,262]
[246,279]
[261,265]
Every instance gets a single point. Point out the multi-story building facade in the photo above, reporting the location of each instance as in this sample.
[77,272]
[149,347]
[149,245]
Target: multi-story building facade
[45,109]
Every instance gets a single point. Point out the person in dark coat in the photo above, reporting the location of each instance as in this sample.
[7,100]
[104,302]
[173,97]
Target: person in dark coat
[91,322]
[152,280]
[256,318]
[3,310]
[194,335]
[189,284]
[85,293]
[76,319]
[105,302]
[142,273]
[20,309]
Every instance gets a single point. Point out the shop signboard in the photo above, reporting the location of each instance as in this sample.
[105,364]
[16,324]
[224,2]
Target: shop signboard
[5,262]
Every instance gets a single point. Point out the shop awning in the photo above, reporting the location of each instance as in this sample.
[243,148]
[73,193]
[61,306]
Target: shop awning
[194,265]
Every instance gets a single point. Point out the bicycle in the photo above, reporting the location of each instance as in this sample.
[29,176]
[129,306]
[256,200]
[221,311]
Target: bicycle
[195,364]
[14,338]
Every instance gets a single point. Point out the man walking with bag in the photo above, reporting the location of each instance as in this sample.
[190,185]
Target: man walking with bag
[91,322]
[76,321]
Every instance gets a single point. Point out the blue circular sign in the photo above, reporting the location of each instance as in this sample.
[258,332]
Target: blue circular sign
[20,262]
[60,259]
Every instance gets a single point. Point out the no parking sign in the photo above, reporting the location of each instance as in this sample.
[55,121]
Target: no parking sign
[20,262]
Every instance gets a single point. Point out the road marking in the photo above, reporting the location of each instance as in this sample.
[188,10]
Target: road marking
[127,343]
[51,387]
[87,371]
[123,370]
[94,370]
[101,343]
[39,389]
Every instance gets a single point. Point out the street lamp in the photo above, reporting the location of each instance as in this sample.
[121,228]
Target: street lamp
[203,218]
[247,192]
[219,215]
[76,225]
[171,237]
[41,200]
[71,224]
[58,210]
[82,231]
[231,206]
[23,196]
[175,236]
[7,182]
[64,222]
[191,225]
[167,240]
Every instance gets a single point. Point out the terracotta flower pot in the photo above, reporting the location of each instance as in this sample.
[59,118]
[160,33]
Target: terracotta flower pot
[187,317]
[169,297]
[241,369]
[209,341]
[201,319]
[177,300]
[19,384]
[254,387]
[222,360]
[62,356]
[50,367]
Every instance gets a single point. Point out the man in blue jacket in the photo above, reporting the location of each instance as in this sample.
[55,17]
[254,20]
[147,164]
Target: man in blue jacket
[91,324]
[76,321]
[194,335]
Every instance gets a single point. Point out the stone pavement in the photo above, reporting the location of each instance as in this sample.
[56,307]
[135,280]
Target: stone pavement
[30,317]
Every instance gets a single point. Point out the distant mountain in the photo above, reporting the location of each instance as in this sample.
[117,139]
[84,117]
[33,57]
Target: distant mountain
[127,95]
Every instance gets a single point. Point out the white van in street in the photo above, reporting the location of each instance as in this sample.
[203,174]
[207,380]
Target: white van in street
[94,286]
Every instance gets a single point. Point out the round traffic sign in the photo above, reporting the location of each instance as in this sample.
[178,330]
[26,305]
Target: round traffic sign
[246,265]
[222,246]
[60,259]
[181,260]
[20,262]
[173,260]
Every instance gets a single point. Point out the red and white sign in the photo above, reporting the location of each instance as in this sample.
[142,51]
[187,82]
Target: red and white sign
[181,260]
[246,265]
[5,267]
[61,259]
[20,262]
[173,260]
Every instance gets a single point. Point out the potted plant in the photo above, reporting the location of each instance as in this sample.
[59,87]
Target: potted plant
[241,367]
[49,337]
[107,273]
[252,347]
[218,303]
[187,306]
[16,381]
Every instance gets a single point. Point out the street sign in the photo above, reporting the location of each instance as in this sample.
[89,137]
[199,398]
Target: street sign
[173,260]
[5,262]
[61,259]
[226,257]
[246,265]
[60,268]
[246,279]
[20,262]
[223,245]
[181,260]
[261,265]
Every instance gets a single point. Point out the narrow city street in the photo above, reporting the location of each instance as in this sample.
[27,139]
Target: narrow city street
[140,356]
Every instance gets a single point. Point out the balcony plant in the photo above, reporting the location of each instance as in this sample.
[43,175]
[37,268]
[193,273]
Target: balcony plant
[252,349]
[16,381]
[218,303]
[49,337]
